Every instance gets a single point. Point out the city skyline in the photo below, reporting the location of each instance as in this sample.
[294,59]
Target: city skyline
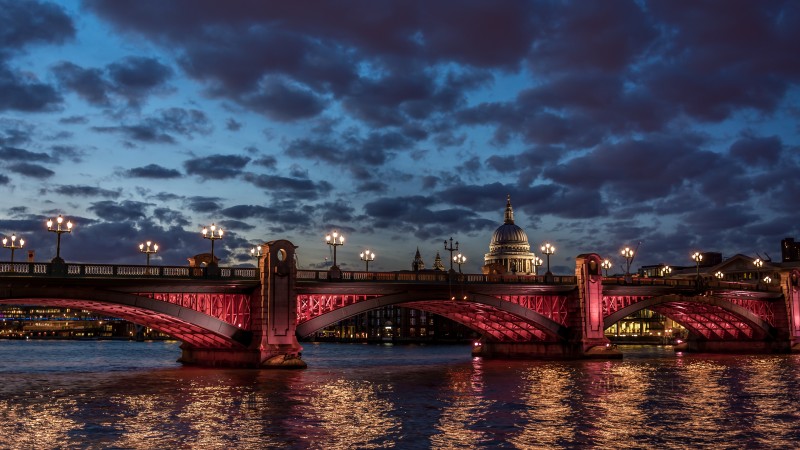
[401,125]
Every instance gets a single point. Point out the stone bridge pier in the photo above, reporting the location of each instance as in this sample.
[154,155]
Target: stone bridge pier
[791,292]
[273,315]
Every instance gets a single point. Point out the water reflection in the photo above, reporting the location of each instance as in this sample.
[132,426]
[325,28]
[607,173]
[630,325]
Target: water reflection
[463,407]
[546,391]
[374,397]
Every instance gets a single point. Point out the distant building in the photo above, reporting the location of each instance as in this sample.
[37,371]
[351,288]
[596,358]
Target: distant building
[790,250]
[509,250]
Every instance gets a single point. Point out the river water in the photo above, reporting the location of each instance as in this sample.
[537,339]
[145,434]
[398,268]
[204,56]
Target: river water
[119,394]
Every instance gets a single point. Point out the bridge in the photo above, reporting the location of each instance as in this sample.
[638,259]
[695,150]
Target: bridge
[252,317]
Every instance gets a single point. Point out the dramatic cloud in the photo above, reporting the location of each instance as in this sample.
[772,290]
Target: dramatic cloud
[31,170]
[163,127]
[670,123]
[153,171]
[294,187]
[126,210]
[18,92]
[85,191]
[32,22]
[216,167]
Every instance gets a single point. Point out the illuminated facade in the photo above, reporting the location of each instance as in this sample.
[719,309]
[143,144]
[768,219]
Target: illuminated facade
[19,322]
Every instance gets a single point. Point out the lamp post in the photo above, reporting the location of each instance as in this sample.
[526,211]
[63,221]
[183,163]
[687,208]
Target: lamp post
[665,271]
[548,250]
[758,263]
[367,256]
[212,233]
[606,264]
[459,259]
[697,257]
[256,251]
[719,275]
[334,240]
[451,249]
[537,262]
[767,280]
[59,230]
[13,246]
[147,250]
[627,253]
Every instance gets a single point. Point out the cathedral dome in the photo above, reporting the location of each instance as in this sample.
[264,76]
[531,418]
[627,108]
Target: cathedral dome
[508,236]
[508,233]
[509,250]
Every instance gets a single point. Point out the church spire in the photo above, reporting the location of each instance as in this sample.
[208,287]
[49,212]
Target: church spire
[437,263]
[509,218]
[418,263]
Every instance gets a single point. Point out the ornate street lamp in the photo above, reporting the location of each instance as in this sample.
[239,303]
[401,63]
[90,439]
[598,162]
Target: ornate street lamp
[459,259]
[548,250]
[451,249]
[627,253]
[665,271]
[334,240]
[58,230]
[256,251]
[758,263]
[13,246]
[697,257]
[367,256]
[148,249]
[719,275]
[537,262]
[606,264]
[767,279]
[212,233]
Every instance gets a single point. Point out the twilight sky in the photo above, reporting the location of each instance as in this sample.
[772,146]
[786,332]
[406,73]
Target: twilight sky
[671,123]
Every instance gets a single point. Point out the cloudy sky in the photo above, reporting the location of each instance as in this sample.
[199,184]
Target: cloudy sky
[675,124]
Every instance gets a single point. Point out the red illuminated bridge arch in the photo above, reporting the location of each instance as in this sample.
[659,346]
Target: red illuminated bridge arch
[183,323]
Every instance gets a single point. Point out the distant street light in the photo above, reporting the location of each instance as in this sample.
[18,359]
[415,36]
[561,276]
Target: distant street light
[334,240]
[606,264]
[548,250]
[537,262]
[665,271]
[147,250]
[451,249]
[459,259]
[627,253]
[212,233]
[13,246]
[767,279]
[719,275]
[58,230]
[697,257]
[367,256]
[256,251]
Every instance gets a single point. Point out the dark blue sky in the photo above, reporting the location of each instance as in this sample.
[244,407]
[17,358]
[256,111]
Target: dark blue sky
[401,124]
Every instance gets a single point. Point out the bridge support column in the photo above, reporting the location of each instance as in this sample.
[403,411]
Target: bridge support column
[278,344]
[791,292]
[273,318]
[589,337]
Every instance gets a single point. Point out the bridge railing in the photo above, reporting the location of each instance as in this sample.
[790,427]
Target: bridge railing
[428,277]
[689,283]
[123,271]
